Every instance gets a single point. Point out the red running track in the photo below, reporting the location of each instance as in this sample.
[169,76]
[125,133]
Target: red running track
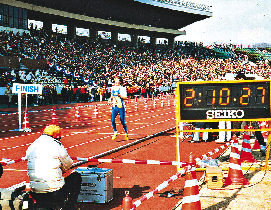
[91,136]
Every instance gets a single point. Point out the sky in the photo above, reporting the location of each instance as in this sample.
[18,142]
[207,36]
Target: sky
[239,22]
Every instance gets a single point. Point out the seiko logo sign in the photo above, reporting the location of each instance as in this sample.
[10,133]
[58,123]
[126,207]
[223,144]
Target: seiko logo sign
[222,114]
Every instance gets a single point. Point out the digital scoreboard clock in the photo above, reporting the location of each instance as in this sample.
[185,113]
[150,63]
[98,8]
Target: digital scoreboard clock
[224,100]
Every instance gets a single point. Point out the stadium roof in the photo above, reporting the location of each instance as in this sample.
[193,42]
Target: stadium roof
[165,16]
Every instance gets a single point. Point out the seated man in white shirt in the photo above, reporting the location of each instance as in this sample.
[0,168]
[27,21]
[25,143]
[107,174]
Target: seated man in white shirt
[47,161]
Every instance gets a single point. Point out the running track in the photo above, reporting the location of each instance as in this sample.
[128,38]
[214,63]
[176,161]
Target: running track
[91,135]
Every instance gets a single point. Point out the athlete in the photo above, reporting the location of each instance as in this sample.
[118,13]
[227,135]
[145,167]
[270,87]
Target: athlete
[118,94]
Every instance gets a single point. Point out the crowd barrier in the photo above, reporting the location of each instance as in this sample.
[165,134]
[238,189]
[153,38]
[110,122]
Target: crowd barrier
[234,174]
[142,162]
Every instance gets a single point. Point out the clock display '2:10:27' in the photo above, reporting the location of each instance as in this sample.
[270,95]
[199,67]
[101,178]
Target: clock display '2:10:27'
[224,96]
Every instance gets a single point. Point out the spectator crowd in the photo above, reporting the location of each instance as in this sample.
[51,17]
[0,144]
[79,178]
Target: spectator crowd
[85,68]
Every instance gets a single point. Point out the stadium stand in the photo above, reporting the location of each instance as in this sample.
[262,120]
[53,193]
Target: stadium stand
[88,64]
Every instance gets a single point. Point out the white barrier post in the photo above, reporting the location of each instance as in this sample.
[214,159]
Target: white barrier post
[222,134]
[228,125]
[20,110]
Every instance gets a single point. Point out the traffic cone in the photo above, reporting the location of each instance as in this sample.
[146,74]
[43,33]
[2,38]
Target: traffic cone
[54,118]
[26,127]
[256,145]
[191,192]
[235,175]
[246,127]
[246,155]
[154,103]
[145,104]
[136,107]
[127,202]
[96,112]
[26,120]
[234,137]
[77,115]
[264,133]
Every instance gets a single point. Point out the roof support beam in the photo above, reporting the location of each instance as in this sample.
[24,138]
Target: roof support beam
[89,19]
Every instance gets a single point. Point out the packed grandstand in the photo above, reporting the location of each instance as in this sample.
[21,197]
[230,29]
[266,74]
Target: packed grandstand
[84,68]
